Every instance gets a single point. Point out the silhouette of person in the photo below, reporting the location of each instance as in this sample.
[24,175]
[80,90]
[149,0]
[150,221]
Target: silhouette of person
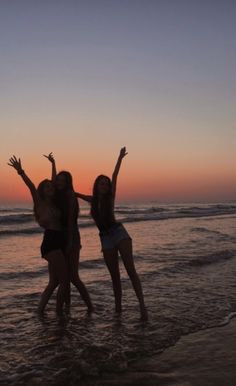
[48,216]
[113,235]
[68,204]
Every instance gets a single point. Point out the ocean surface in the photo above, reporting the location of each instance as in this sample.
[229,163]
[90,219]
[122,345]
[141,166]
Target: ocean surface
[185,255]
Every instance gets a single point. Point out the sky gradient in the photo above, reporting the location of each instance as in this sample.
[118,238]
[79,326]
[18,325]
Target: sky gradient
[84,78]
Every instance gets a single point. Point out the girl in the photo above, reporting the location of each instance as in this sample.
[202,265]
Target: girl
[68,203]
[114,237]
[48,217]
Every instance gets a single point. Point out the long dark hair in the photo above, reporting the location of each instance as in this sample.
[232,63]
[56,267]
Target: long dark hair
[40,191]
[68,179]
[62,197]
[103,213]
[40,188]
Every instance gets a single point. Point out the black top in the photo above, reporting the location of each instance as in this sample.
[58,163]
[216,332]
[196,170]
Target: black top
[103,215]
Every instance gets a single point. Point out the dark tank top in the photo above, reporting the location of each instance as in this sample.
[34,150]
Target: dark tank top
[104,217]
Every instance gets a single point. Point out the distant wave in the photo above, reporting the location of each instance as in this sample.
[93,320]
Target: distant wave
[24,231]
[33,230]
[213,210]
[16,218]
[140,210]
[15,210]
[180,213]
[125,214]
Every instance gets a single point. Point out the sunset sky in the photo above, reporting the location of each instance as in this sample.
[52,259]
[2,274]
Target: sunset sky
[84,78]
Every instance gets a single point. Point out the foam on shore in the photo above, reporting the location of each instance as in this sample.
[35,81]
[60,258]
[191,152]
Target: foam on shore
[204,358]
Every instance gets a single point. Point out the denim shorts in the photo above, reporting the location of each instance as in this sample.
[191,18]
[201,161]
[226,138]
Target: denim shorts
[110,238]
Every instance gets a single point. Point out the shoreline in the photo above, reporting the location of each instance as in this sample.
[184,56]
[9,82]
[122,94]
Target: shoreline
[203,358]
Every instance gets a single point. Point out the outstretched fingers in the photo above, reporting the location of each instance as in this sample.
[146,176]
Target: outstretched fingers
[49,157]
[123,152]
[14,162]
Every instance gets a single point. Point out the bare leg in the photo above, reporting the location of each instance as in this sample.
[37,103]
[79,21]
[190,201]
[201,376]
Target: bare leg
[112,263]
[125,249]
[47,293]
[75,279]
[63,278]
[57,275]
[68,292]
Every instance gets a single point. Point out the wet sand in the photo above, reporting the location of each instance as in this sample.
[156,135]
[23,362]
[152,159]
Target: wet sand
[204,358]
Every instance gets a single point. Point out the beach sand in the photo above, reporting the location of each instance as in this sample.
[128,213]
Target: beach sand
[204,358]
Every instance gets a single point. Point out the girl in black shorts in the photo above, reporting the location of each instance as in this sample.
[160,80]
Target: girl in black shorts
[68,204]
[49,217]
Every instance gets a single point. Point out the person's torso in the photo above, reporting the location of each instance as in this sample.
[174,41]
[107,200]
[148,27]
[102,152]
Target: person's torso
[49,216]
[105,217]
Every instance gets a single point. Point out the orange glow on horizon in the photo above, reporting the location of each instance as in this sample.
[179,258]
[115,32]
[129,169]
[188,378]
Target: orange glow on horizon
[136,184]
[136,180]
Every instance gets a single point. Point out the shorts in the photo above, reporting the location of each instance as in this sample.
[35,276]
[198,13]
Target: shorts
[110,238]
[52,240]
[76,241]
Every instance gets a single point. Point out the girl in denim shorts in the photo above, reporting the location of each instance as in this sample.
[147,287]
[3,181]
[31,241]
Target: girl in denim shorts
[113,235]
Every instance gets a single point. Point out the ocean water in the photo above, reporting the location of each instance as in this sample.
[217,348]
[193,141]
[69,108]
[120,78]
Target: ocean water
[185,256]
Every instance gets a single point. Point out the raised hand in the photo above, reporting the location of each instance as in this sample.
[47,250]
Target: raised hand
[123,152]
[50,157]
[16,164]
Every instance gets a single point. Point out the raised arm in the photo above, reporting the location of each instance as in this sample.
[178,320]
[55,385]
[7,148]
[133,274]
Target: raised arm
[84,197]
[53,162]
[117,169]
[16,164]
